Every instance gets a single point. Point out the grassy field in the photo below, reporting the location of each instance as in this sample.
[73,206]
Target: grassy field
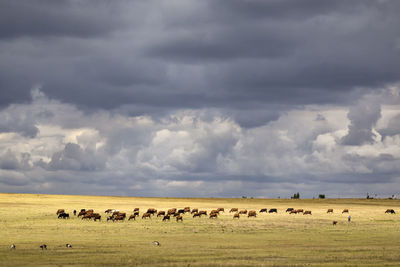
[29,220]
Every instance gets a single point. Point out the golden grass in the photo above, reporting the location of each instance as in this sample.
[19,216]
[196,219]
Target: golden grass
[28,220]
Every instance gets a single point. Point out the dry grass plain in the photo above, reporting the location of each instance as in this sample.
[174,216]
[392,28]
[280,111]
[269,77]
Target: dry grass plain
[29,220]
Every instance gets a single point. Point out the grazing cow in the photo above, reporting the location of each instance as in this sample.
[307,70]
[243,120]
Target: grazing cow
[273,211]
[252,213]
[133,216]
[345,211]
[390,211]
[289,209]
[44,246]
[220,209]
[96,216]
[166,217]
[243,212]
[307,212]
[213,215]
[13,247]
[203,212]
[135,209]
[161,213]
[146,215]
[176,214]
[171,211]
[293,212]
[82,213]
[234,210]
[63,215]
[181,211]
[187,209]
[152,211]
[299,210]
[236,215]
[60,211]
[334,222]
[330,211]
[68,245]
[263,210]
[195,211]
[196,215]
[118,218]
[179,218]
[214,211]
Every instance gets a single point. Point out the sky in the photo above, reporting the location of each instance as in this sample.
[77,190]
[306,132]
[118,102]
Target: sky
[208,98]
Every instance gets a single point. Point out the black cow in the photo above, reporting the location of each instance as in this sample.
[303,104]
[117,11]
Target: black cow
[181,211]
[289,209]
[63,215]
[263,210]
[273,211]
[74,212]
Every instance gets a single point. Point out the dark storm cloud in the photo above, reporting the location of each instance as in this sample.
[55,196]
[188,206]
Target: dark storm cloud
[210,54]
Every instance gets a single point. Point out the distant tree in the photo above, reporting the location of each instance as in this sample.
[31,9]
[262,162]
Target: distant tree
[296,195]
[244,197]
[321,196]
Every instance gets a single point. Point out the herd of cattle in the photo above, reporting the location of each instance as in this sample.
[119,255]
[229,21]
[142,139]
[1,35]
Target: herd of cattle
[116,215]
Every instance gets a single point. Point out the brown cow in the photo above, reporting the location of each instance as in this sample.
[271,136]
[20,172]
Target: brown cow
[334,222]
[196,215]
[390,211]
[345,211]
[252,213]
[152,211]
[171,211]
[187,209]
[299,210]
[118,218]
[90,211]
[161,213]
[135,209]
[87,216]
[221,209]
[133,216]
[179,218]
[214,211]
[59,211]
[236,215]
[307,212]
[213,215]
[330,211]
[293,212]
[82,213]
[203,212]
[108,210]
[195,211]
[243,212]
[146,215]
[166,217]
[96,216]
[234,210]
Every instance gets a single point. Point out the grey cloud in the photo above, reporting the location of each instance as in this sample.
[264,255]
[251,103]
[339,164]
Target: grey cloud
[21,122]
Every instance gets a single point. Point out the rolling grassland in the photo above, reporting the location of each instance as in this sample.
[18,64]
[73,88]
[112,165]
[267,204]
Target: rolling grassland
[29,220]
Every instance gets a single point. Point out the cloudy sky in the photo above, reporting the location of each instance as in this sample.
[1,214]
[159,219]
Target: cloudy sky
[200,98]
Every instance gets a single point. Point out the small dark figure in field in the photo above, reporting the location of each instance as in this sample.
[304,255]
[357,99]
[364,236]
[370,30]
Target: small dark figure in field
[390,211]
[133,216]
[289,209]
[234,210]
[196,215]
[334,222]
[236,215]
[345,211]
[166,217]
[263,210]
[330,211]
[273,211]
[13,247]
[213,215]
[63,215]
[307,212]
[68,245]
[349,218]
[74,212]
[179,218]
[44,246]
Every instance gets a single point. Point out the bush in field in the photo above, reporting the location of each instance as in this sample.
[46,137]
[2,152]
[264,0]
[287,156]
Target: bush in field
[321,196]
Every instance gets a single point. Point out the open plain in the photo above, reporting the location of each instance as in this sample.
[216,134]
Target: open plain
[372,238]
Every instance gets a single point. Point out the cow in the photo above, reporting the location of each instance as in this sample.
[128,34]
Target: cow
[234,210]
[345,211]
[293,212]
[187,209]
[87,216]
[390,211]
[179,218]
[214,211]
[252,213]
[213,215]
[236,215]
[83,210]
[96,216]
[176,214]
[289,209]
[181,211]
[118,218]
[196,215]
[82,213]
[74,212]
[68,245]
[273,211]
[146,215]
[195,211]
[243,212]
[307,212]
[13,247]
[171,211]
[108,211]
[117,213]
[299,210]
[59,211]
[63,215]
[152,211]
[161,213]
[44,246]
[133,216]
[90,211]
[203,212]
[263,210]
[334,222]
[330,211]
[136,213]
[166,217]
[135,209]
[221,209]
